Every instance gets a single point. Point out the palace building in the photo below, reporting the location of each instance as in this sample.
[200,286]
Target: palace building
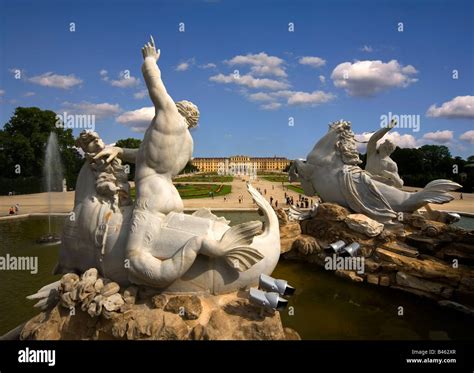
[241,164]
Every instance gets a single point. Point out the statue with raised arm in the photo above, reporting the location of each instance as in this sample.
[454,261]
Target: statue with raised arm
[152,242]
[332,171]
[379,163]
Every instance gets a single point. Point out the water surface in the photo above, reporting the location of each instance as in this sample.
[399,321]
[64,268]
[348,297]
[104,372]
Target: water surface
[323,307]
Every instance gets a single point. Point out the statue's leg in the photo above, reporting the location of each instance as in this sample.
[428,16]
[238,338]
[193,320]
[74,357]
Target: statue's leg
[146,269]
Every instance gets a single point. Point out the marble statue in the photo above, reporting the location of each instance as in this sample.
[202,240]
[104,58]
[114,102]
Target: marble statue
[379,164]
[151,241]
[332,170]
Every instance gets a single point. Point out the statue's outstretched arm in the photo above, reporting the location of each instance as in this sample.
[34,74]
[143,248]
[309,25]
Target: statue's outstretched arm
[152,75]
[125,154]
[372,144]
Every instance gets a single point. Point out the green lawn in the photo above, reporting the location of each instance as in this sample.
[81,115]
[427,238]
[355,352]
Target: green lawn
[187,191]
[275,178]
[210,178]
[295,188]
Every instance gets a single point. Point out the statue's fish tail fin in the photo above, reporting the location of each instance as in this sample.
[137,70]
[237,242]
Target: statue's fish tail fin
[235,242]
[271,225]
[436,191]
[47,295]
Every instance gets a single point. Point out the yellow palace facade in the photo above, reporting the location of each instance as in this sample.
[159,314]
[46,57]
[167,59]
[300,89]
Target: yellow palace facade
[241,162]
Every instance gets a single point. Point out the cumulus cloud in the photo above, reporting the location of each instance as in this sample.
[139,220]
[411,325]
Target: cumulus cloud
[322,79]
[249,81]
[125,80]
[52,80]
[270,106]
[29,94]
[290,98]
[209,65]
[309,98]
[467,136]
[183,66]
[458,107]
[261,64]
[312,61]
[102,110]
[260,96]
[138,120]
[366,48]
[440,137]
[2,92]
[366,78]
[140,94]
[402,141]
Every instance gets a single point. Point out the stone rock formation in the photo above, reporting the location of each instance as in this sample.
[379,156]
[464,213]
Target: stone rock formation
[427,258]
[91,307]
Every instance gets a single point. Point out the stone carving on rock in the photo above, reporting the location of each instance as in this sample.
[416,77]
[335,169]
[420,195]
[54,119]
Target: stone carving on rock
[379,163]
[332,169]
[152,242]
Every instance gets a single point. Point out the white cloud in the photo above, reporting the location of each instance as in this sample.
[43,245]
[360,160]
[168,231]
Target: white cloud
[291,98]
[102,110]
[138,119]
[271,106]
[312,61]
[29,94]
[366,48]
[467,136]
[402,141]
[261,64]
[260,96]
[125,80]
[440,137]
[249,81]
[209,65]
[140,94]
[458,107]
[50,79]
[183,66]
[309,98]
[2,92]
[366,78]
[322,79]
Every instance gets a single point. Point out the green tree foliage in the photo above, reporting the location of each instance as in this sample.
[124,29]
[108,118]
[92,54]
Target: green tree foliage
[23,142]
[417,167]
[189,168]
[129,143]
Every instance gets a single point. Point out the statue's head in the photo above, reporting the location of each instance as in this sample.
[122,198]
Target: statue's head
[90,142]
[387,148]
[189,111]
[345,143]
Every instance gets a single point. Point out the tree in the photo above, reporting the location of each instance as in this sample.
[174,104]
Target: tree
[189,168]
[129,143]
[23,143]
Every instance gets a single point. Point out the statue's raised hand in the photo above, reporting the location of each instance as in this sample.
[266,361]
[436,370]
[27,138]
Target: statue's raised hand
[149,50]
[110,152]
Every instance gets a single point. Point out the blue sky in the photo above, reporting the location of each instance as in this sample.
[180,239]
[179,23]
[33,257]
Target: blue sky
[344,59]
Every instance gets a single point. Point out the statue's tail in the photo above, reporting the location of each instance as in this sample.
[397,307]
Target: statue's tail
[47,296]
[436,192]
[236,242]
[271,226]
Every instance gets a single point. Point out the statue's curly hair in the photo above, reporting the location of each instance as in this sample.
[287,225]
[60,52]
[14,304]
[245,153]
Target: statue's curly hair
[85,138]
[346,144]
[189,111]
